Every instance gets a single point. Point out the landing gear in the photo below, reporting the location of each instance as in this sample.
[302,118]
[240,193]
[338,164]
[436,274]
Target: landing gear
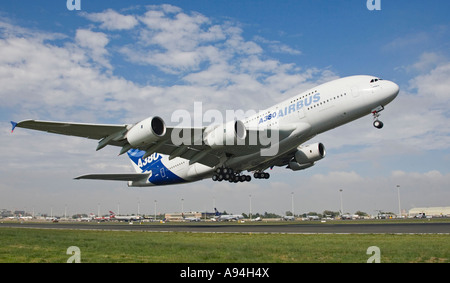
[227,174]
[261,175]
[376,113]
[378,124]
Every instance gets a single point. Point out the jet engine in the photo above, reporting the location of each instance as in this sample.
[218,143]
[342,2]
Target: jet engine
[231,133]
[306,156]
[146,132]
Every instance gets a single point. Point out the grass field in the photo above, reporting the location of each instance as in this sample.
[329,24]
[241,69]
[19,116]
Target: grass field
[39,245]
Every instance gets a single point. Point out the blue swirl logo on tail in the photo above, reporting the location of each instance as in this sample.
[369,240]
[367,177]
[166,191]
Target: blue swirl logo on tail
[159,174]
[144,164]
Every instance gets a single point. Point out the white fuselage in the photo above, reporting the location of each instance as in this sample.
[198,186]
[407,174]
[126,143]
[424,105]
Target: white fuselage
[315,111]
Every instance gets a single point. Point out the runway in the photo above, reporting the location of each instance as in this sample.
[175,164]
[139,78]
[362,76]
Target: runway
[288,228]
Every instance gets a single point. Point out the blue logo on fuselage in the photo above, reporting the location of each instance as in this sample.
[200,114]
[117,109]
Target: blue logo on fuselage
[159,174]
[146,163]
[293,107]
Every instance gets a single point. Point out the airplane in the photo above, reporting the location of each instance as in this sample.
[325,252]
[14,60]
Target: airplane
[102,218]
[87,218]
[346,217]
[228,217]
[25,217]
[289,218]
[312,217]
[125,218]
[224,152]
[191,219]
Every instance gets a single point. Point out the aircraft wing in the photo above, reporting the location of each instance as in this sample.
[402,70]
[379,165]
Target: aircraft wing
[90,131]
[196,149]
[114,177]
[116,135]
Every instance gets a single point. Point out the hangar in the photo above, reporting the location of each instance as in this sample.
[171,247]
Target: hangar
[440,211]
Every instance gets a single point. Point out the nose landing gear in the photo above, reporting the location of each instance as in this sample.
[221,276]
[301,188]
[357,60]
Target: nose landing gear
[378,124]
[376,113]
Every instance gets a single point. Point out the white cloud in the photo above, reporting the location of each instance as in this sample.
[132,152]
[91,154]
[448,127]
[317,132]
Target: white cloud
[96,43]
[277,47]
[435,84]
[426,61]
[111,20]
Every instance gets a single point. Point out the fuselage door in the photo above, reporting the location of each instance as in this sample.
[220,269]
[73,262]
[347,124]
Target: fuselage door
[301,113]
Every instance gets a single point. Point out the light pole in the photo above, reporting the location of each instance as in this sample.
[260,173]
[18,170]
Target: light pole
[138,206]
[250,198]
[155,211]
[342,209]
[292,204]
[399,209]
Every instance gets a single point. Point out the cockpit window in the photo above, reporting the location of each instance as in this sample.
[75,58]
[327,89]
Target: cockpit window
[375,80]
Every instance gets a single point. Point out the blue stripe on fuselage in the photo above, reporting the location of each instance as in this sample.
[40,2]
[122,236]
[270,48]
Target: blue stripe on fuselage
[153,164]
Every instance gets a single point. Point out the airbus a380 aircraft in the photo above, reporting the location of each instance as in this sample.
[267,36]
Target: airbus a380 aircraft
[164,155]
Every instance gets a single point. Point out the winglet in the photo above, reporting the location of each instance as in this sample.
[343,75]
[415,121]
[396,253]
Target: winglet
[14,124]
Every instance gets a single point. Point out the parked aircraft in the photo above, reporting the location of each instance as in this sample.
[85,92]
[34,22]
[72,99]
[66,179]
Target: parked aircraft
[227,217]
[125,218]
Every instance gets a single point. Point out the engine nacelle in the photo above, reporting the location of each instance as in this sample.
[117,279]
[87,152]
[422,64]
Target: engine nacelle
[146,132]
[306,156]
[294,166]
[231,133]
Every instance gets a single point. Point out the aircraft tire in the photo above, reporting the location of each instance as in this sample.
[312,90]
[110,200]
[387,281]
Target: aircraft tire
[378,124]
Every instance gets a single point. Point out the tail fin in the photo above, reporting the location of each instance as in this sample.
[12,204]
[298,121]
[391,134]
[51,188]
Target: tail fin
[142,165]
[14,125]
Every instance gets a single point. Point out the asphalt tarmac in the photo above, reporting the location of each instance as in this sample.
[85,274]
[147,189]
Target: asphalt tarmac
[288,228]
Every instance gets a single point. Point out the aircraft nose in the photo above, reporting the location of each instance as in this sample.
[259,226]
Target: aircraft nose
[392,88]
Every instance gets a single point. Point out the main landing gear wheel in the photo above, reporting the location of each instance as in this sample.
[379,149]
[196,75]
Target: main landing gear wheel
[261,175]
[228,174]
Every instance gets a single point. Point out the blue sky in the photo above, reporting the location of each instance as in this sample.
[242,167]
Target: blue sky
[122,61]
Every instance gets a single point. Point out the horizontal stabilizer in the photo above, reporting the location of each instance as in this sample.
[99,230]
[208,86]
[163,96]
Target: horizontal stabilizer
[114,177]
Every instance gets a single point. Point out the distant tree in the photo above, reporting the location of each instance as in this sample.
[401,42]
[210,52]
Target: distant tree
[360,213]
[271,215]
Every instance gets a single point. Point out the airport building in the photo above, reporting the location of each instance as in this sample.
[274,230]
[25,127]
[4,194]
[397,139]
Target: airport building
[442,211]
[178,216]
